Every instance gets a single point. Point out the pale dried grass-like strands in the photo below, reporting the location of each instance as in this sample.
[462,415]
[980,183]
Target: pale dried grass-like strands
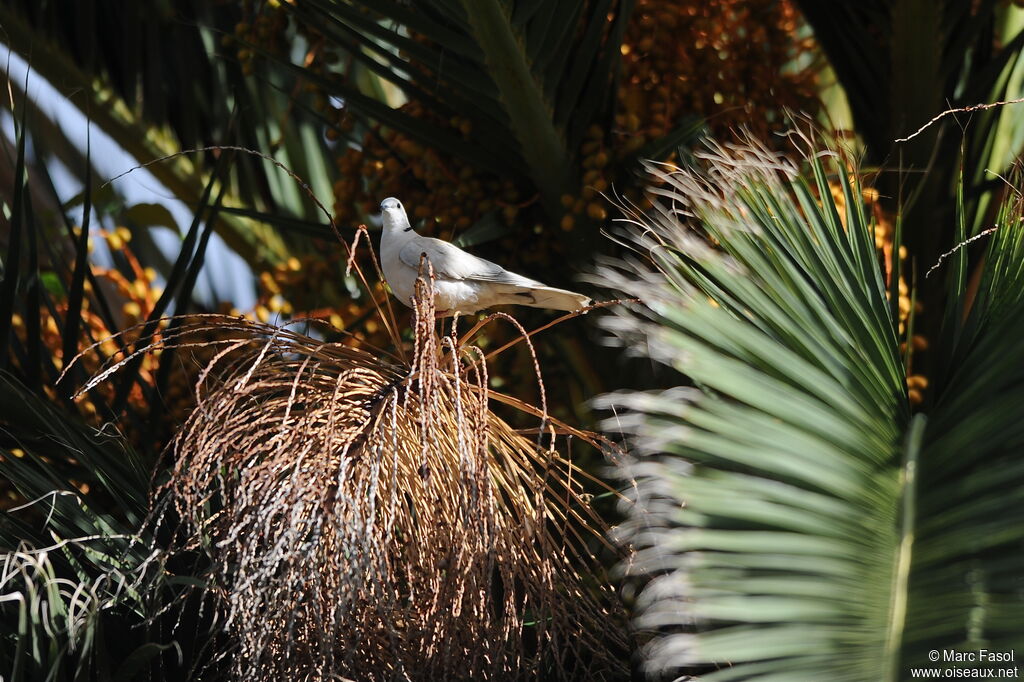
[670,232]
[709,187]
[201,330]
[49,607]
[705,192]
[56,611]
[376,521]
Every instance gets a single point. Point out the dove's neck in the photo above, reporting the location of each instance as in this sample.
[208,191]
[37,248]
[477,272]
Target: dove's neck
[397,232]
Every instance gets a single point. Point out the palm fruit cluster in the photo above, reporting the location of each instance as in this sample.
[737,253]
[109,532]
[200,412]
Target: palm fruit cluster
[131,298]
[284,292]
[136,296]
[739,63]
[447,192]
[264,29]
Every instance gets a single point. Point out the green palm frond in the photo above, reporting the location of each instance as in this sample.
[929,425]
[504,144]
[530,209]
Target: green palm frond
[794,519]
[968,552]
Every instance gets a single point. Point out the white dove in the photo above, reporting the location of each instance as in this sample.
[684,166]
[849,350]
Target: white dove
[463,283]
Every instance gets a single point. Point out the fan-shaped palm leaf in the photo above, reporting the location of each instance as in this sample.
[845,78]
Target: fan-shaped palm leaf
[796,521]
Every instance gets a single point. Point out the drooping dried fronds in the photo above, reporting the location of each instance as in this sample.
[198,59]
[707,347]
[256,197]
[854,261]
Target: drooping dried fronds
[377,521]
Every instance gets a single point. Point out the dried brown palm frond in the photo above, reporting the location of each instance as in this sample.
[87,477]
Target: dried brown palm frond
[377,521]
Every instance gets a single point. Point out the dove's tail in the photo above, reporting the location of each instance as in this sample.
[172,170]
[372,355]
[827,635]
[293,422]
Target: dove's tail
[547,297]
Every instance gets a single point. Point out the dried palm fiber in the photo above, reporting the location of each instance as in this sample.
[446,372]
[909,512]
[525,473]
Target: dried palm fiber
[373,520]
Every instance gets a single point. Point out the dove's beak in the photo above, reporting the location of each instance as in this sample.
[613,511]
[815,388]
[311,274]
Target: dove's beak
[393,215]
[378,219]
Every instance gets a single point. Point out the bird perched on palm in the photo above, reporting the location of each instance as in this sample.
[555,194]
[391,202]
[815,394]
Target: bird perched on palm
[463,283]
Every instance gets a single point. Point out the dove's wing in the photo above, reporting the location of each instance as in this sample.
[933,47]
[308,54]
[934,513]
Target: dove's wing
[492,284]
[451,262]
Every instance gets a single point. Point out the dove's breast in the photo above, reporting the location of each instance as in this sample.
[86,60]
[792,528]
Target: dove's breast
[401,278]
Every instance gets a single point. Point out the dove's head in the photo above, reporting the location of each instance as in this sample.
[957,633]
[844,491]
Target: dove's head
[393,215]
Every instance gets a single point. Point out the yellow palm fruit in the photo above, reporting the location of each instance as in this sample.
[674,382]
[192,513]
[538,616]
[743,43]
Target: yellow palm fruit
[596,211]
[268,282]
[132,311]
